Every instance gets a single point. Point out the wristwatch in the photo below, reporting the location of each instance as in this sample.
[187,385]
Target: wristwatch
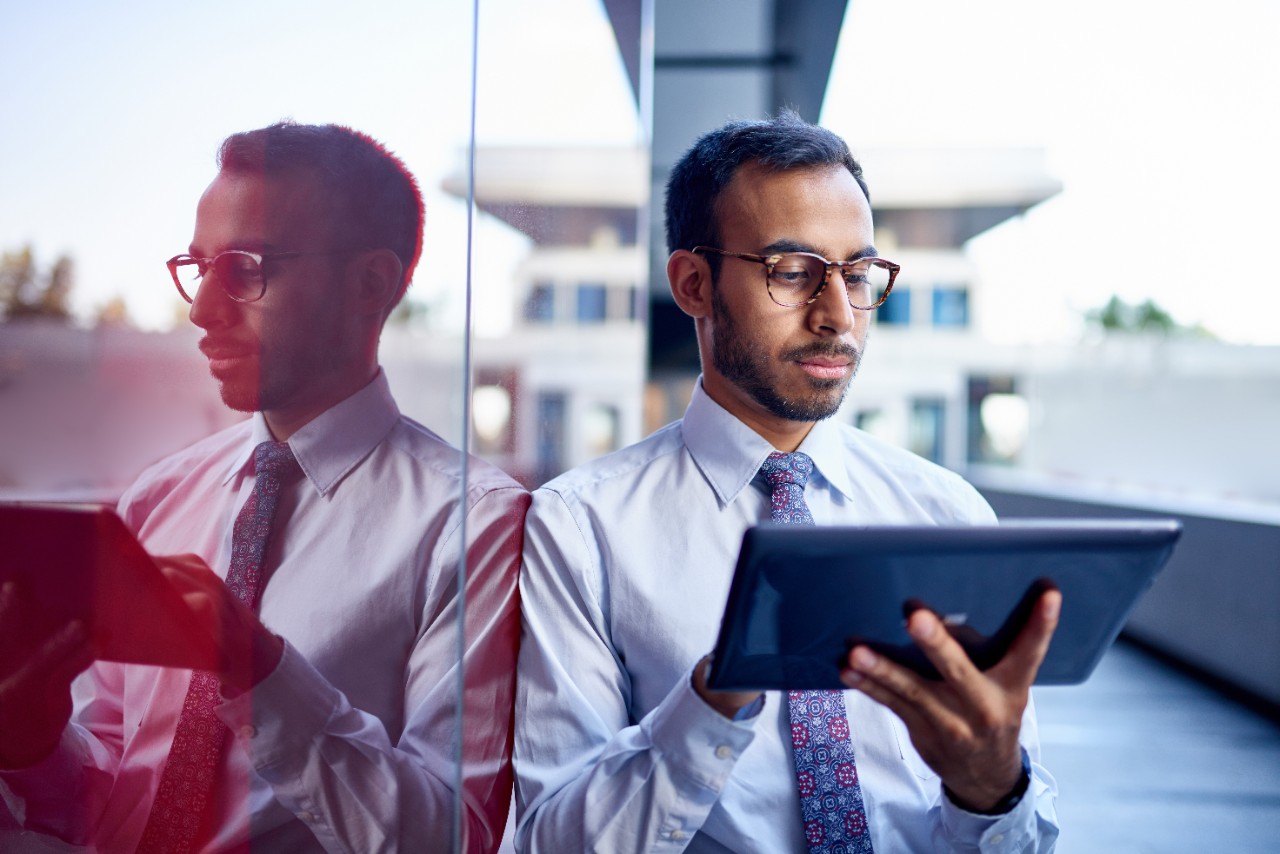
[1009,801]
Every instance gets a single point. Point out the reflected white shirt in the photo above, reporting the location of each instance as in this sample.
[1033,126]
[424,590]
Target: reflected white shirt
[349,744]
[627,564]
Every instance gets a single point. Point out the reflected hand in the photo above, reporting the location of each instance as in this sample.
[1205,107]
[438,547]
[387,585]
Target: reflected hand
[965,727]
[37,666]
[247,649]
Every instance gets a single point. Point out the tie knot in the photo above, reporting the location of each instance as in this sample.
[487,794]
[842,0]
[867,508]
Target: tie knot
[781,468]
[273,458]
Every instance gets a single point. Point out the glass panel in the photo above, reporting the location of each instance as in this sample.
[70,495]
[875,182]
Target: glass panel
[113,114]
[561,186]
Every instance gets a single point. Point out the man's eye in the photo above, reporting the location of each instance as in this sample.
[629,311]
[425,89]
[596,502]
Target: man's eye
[790,275]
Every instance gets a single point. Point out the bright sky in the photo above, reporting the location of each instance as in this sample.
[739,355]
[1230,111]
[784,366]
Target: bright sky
[113,113]
[1159,118]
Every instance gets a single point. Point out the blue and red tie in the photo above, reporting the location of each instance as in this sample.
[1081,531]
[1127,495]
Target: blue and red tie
[835,818]
[179,820]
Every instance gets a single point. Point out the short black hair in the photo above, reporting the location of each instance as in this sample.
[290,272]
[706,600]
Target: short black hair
[376,200]
[705,170]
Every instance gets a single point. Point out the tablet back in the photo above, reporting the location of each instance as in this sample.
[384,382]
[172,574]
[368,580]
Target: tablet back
[801,596]
[80,562]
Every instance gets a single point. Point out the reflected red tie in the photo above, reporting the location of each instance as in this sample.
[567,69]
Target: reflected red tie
[180,818]
[835,819]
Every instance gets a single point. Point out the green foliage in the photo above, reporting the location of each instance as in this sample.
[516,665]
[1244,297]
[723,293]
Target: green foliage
[1146,316]
[26,292]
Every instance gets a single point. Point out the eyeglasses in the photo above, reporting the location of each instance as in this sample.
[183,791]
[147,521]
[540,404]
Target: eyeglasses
[798,278]
[240,273]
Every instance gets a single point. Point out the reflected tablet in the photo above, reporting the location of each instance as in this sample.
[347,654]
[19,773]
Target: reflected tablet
[802,596]
[81,562]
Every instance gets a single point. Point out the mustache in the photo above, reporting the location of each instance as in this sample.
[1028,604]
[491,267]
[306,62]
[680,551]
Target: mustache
[832,350]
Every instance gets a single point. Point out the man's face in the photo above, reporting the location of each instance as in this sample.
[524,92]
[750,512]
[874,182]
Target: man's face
[290,351]
[769,363]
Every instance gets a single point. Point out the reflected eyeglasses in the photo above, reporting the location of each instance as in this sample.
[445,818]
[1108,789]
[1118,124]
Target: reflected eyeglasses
[238,271]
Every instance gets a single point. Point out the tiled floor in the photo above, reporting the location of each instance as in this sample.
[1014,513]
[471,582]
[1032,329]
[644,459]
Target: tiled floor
[1148,760]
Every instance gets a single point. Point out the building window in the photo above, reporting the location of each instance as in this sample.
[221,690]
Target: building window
[896,310]
[999,420]
[950,307]
[540,307]
[924,432]
[600,429]
[593,303]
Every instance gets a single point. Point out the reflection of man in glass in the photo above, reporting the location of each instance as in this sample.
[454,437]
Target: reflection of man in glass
[336,727]
[620,746]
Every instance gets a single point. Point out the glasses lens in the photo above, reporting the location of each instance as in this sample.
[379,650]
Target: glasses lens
[239,274]
[794,278]
[866,281]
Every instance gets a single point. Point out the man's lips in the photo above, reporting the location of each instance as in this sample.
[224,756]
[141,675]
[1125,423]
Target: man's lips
[824,367]
[222,351]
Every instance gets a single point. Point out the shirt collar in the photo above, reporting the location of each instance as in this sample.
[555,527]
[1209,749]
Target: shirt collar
[729,453]
[332,443]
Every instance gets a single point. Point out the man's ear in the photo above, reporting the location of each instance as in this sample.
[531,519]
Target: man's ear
[689,275]
[377,273]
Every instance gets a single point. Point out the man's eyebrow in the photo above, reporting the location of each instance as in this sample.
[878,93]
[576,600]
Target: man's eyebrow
[787,245]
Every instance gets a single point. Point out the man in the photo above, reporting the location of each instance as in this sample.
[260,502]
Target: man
[334,714]
[620,746]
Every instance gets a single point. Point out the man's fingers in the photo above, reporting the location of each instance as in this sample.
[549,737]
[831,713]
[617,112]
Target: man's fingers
[58,661]
[946,655]
[895,686]
[1022,661]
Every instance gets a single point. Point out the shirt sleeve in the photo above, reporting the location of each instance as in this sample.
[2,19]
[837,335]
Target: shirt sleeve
[64,795]
[588,776]
[337,769]
[1031,826]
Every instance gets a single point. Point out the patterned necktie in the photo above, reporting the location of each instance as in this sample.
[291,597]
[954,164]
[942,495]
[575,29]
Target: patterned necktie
[180,817]
[835,819]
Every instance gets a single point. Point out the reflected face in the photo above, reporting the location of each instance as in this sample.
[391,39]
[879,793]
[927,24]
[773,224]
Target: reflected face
[287,351]
[769,362]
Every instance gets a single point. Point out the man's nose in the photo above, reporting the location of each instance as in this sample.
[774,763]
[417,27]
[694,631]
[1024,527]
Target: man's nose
[210,305]
[831,311]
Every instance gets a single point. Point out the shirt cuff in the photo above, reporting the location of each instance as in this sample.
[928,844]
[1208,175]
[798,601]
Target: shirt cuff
[284,712]
[1011,831]
[692,736]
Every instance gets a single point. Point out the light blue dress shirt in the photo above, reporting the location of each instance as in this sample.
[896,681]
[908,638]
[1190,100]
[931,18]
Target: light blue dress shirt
[627,564]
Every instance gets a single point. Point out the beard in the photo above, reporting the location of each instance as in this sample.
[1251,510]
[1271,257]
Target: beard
[746,364]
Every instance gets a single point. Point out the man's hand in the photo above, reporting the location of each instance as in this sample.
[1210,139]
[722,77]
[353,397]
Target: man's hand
[966,726]
[248,651]
[727,703]
[37,666]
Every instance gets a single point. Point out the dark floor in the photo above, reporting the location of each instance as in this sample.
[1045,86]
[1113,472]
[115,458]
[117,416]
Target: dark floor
[1149,760]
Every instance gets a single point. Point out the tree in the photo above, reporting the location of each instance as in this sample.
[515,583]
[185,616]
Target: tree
[26,292]
[1147,316]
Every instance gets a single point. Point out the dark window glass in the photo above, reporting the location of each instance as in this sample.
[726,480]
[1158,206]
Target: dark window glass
[540,307]
[896,310]
[950,306]
[592,303]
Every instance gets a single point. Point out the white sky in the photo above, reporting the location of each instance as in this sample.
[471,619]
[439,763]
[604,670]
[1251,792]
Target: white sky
[1159,118]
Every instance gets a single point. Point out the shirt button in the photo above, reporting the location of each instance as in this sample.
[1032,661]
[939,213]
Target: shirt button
[307,815]
[677,834]
[248,731]
[997,838]
[724,751]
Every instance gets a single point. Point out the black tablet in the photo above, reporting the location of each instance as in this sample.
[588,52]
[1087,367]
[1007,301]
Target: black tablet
[802,596]
[81,562]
